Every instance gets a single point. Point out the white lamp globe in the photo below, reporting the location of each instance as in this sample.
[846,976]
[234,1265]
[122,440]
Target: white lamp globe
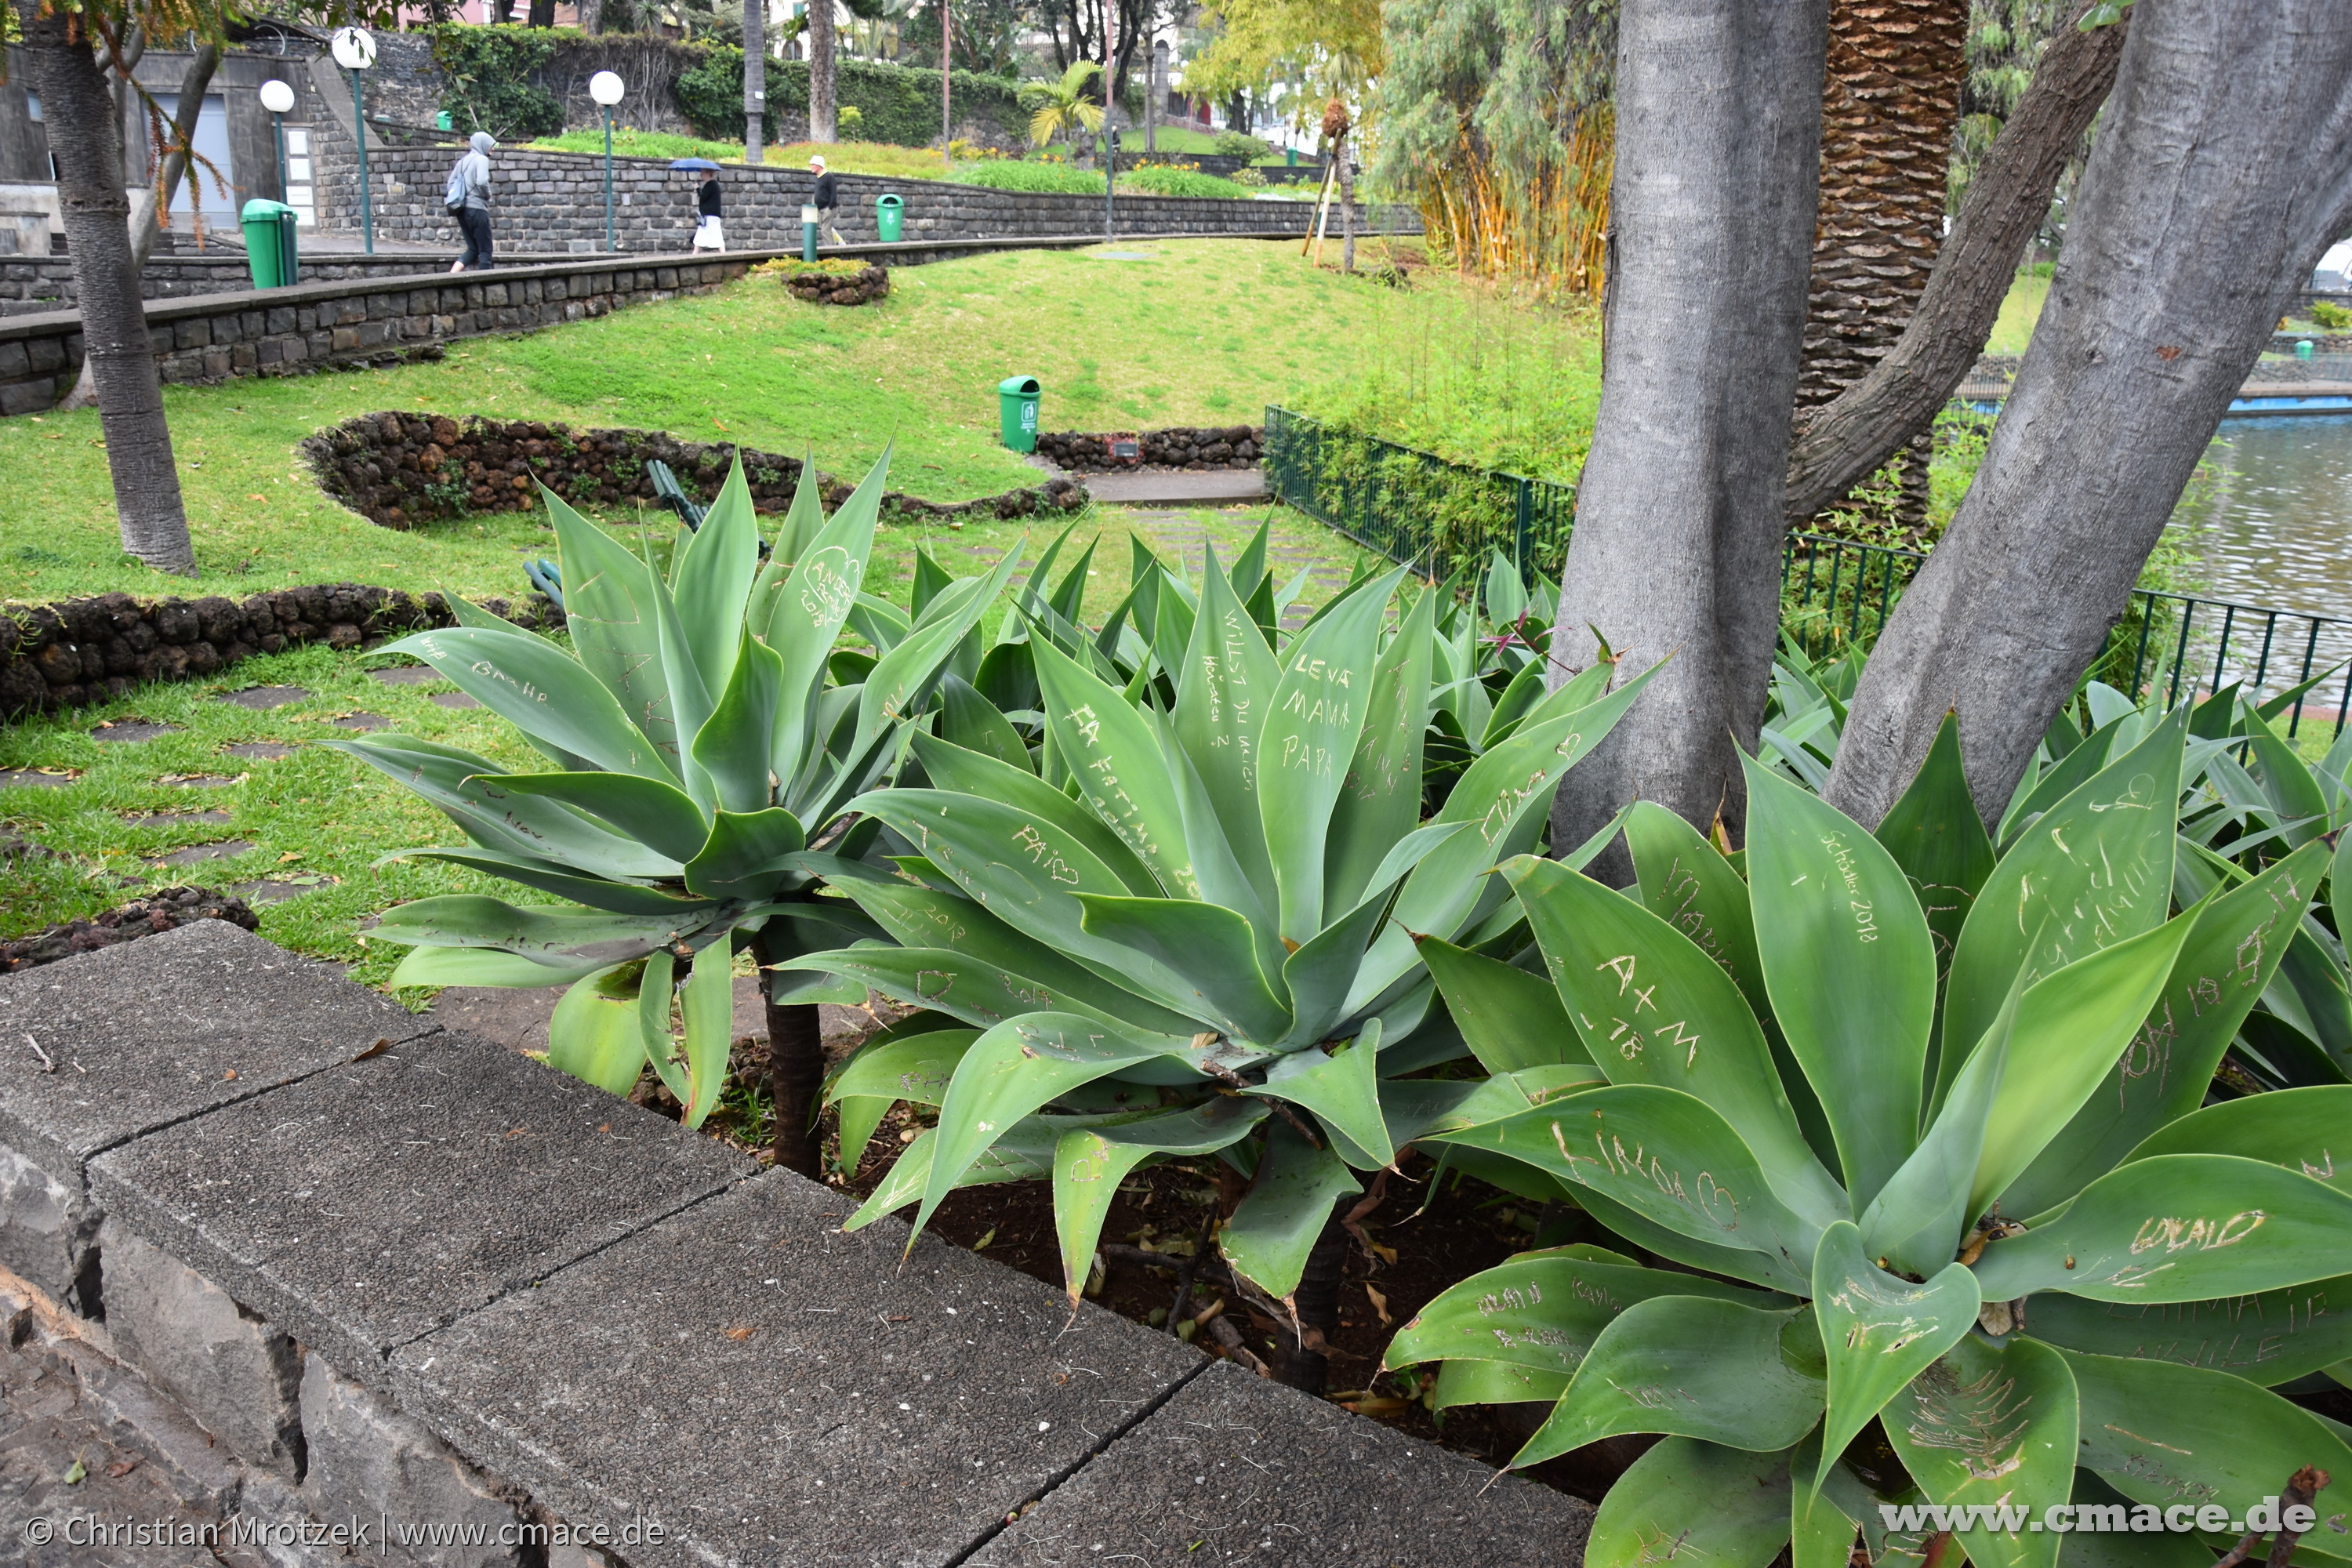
[354,51]
[277,97]
[606,88]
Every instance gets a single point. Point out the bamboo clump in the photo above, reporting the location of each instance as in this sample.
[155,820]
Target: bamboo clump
[1547,229]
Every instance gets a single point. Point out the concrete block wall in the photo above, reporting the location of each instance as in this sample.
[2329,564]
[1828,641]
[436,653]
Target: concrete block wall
[405,1277]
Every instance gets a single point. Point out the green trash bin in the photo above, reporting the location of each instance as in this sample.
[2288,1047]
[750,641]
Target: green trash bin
[1016,411]
[890,217]
[269,249]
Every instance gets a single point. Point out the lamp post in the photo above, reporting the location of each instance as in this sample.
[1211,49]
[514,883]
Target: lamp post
[1110,119]
[606,88]
[354,51]
[277,98]
[947,71]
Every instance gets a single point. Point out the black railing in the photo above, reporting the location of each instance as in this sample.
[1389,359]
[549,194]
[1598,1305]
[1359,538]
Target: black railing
[1416,508]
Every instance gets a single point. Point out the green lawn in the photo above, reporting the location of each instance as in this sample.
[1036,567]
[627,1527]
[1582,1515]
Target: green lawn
[1199,332]
[2019,310]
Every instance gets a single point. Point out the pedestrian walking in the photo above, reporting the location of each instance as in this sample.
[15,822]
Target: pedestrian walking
[710,229]
[826,198]
[467,199]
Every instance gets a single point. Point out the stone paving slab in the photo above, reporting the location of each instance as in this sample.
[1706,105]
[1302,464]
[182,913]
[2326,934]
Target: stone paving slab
[1237,1467]
[362,1207]
[777,1395]
[151,1033]
[1213,487]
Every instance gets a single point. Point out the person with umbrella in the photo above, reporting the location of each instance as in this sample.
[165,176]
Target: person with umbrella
[710,228]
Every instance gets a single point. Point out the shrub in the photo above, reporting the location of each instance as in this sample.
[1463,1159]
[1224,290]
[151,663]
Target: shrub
[1164,180]
[2330,315]
[898,104]
[711,96]
[1042,175]
[848,117]
[1938,1164]
[1241,144]
[488,70]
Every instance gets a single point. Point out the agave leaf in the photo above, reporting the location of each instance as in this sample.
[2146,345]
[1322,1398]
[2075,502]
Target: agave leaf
[2309,992]
[951,767]
[1340,1089]
[2064,776]
[1214,863]
[1518,700]
[2159,1432]
[1416,1108]
[970,721]
[483,966]
[1380,802]
[1665,1155]
[1686,881]
[1511,1019]
[1494,1383]
[2270,1338]
[707,1000]
[1994,1424]
[714,579]
[608,608]
[1206,946]
[620,897]
[1850,967]
[2300,1129]
[805,517]
[1116,757]
[2179,1227]
[734,746]
[2094,871]
[1544,1310]
[594,1033]
[914,1068]
[902,682]
[1879,1332]
[1690,1366]
[1012,1069]
[2071,1028]
[1090,1163]
[812,602]
[1918,1218]
[2233,951]
[2294,795]
[656,1001]
[691,697]
[1305,742]
[1278,1222]
[653,810]
[1936,836]
[1221,700]
[1655,1009]
[533,685]
[746,854]
[1024,1152]
[1701,1500]
[552,936]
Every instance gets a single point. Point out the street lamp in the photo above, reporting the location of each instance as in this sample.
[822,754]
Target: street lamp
[277,98]
[606,88]
[354,51]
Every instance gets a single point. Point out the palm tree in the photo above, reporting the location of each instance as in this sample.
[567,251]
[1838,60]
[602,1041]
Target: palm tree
[1062,107]
[1890,104]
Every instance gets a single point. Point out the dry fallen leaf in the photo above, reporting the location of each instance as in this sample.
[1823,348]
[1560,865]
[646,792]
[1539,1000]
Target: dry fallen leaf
[1379,1305]
[229,1075]
[982,1245]
[741,1331]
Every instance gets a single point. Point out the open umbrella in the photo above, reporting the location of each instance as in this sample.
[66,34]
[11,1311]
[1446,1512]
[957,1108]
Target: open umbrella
[696,163]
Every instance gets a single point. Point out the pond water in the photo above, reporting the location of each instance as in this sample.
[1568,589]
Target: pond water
[2268,522]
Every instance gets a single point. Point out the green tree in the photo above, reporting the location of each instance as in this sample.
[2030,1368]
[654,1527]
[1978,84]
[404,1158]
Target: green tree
[1062,107]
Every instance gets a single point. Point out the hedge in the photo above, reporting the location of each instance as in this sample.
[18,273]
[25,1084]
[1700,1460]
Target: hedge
[897,104]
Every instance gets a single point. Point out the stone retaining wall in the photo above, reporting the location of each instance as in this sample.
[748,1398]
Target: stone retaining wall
[1177,447]
[555,202]
[33,284]
[397,1274]
[79,651]
[400,468]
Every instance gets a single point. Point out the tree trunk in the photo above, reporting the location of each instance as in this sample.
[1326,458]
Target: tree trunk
[1347,205]
[796,1070]
[85,139]
[1679,528]
[1890,102]
[145,224]
[1302,1359]
[1845,441]
[755,80]
[2222,172]
[821,81]
[592,16]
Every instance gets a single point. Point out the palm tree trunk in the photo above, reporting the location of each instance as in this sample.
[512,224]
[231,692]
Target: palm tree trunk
[822,76]
[1890,103]
[86,138]
[1302,1359]
[755,80]
[1347,208]
[796,1070]
[145,222]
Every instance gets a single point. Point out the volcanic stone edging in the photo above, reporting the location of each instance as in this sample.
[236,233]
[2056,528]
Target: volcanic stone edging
[1176,446]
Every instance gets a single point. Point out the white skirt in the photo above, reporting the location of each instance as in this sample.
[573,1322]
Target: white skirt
[710,235]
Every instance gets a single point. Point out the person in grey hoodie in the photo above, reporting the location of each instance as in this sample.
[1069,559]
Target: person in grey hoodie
[472,177]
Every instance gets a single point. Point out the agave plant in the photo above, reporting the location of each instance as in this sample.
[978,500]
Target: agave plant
[694,750]
[1955,1233]
[1206,944]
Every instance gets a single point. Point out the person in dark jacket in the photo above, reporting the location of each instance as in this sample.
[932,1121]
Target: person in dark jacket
[471,181]
[709,231]
[826,199]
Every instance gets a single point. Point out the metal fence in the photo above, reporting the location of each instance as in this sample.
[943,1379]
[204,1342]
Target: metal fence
[1416,508]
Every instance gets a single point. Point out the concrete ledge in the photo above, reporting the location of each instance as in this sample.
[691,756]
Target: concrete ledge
[362,1207]
[1236,1467]
[771,1391]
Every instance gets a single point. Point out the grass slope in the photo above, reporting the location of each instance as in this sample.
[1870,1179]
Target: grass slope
[1203,331]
